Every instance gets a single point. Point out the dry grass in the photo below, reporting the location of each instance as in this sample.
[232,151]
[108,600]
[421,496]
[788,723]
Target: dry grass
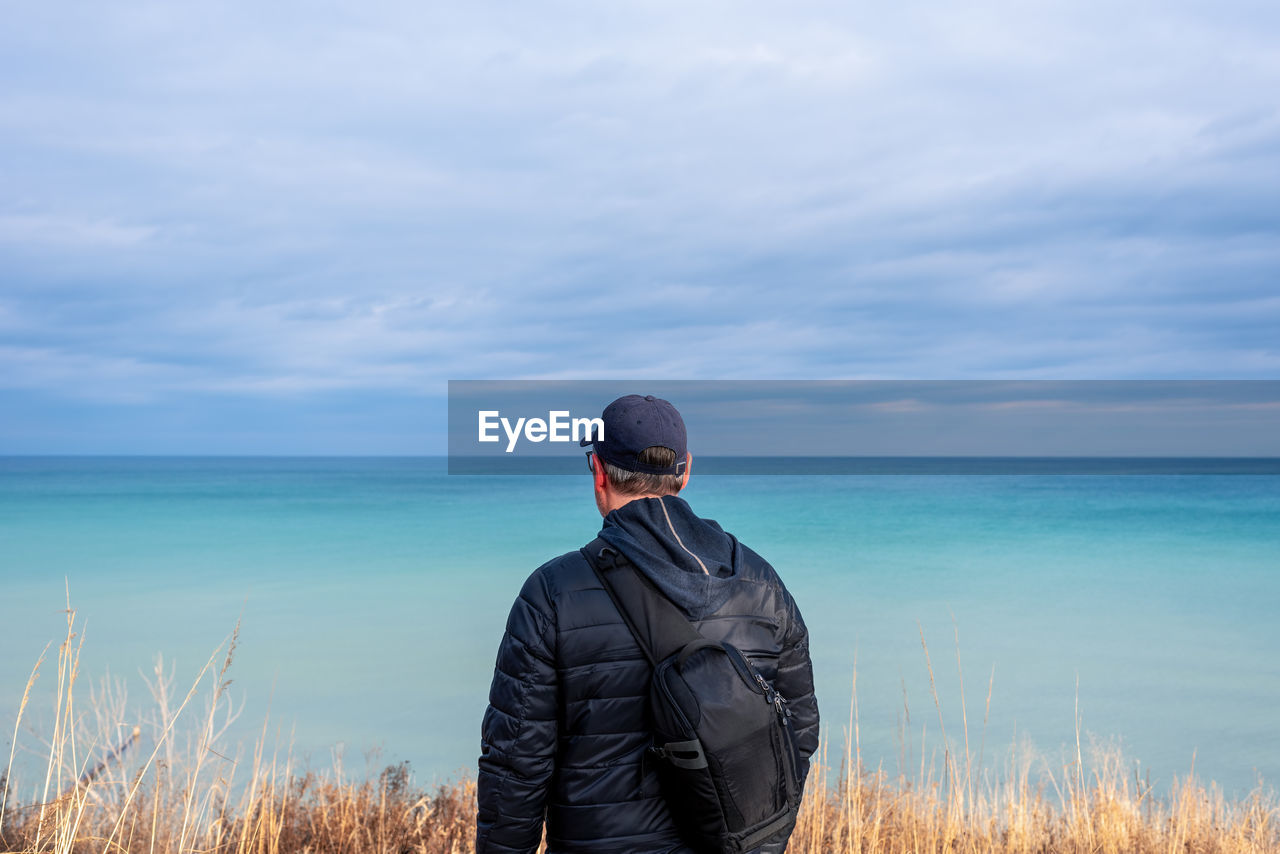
[187,794]
[1107,813]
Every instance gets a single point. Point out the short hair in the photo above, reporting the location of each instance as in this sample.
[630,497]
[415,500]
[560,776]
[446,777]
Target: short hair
[643,483]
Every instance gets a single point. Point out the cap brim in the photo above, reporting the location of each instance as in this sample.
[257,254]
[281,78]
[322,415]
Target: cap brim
[596,435]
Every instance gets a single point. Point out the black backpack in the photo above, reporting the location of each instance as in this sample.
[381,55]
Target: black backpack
[723,741]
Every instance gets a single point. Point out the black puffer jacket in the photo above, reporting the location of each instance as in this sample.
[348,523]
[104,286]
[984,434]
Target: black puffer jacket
[566,729]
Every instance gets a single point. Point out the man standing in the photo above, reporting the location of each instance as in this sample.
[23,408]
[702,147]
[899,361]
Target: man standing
[565,734]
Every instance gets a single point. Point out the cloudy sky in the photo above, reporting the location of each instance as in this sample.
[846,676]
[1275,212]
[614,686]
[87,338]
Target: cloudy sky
[270,228]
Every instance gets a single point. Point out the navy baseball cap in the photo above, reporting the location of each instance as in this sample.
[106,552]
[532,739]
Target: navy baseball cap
[634,423]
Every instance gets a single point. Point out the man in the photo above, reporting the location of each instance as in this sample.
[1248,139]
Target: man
[565,733]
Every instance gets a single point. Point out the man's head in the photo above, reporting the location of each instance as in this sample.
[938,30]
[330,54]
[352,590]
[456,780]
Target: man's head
[641,452]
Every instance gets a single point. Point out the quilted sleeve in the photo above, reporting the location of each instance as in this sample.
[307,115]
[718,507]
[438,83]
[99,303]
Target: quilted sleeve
[795,682]
[518,735]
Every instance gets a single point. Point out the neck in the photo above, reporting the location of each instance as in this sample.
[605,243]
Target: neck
[611,501]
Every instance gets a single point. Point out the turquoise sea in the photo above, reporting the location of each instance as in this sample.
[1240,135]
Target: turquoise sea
[372,594]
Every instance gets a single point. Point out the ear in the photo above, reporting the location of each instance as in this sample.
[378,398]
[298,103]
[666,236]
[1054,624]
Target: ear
[598,477]
[688,468]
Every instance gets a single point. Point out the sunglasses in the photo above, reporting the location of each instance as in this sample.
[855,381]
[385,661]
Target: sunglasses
[591,465]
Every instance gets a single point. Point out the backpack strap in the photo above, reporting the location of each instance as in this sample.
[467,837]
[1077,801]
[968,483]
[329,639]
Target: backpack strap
[659,627]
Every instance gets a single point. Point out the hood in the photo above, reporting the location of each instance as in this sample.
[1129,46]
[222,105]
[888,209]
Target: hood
[692,560]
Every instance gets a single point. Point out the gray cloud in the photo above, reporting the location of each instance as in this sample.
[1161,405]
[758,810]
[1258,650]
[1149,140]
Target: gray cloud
[247,200]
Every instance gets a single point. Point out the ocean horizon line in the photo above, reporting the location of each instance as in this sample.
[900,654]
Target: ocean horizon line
[720,464]
[337,456]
